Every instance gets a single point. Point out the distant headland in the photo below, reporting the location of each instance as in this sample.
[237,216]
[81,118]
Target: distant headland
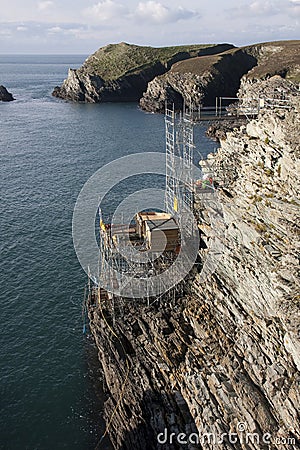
[192,73]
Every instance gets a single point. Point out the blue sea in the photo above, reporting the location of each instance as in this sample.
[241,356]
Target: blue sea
[51,390]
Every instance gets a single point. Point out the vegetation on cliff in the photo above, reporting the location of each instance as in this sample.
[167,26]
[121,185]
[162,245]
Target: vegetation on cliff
[196,73]
[272,58]
[276,58]
[121,72]
[119,60]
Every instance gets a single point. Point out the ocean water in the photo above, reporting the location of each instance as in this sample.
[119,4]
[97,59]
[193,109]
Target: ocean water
[48,148]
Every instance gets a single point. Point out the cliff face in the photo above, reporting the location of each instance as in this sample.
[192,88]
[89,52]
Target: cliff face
[82,86]
[225,356]
[200,80]
[121,72]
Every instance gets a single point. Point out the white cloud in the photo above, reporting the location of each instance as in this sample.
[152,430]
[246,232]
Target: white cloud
[267,9]
[42,6]
[80,31]
[156,12]
[22,28]
[257,8]
[6,33]
[105,10]
[294,7]
[153,10]
[54,30]
[263,8]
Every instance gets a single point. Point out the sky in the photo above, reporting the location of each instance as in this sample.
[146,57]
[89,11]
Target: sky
[81,27]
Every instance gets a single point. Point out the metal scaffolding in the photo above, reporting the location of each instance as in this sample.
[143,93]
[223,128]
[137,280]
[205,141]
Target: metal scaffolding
[171,202]
[179,163]
[128,273]
[125,274]
[183,190]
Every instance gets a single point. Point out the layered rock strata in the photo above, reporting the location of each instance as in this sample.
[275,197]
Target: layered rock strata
[222,360]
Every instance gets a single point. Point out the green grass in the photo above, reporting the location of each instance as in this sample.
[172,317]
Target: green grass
[118,60]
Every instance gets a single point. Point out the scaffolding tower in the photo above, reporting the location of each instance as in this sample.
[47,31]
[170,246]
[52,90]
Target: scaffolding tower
[171,196]
[179,163]
[185,190]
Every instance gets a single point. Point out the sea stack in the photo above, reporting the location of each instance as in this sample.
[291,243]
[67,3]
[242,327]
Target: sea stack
[5,96]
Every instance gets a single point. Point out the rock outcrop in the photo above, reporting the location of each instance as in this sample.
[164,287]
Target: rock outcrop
[218,129]
[82,86]
[121,72]
[200,80]
[222,360]
[5,96]
[253,95]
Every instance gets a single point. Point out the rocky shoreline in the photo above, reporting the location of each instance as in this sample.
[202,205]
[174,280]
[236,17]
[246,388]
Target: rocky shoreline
[224,357]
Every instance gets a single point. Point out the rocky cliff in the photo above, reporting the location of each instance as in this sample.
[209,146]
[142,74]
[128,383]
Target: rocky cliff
[194,73]
[201,79]
[5,96]
[198,81]
[121,72]
[223,359]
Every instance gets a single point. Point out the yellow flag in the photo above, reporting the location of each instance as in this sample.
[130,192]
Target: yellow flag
[175,204]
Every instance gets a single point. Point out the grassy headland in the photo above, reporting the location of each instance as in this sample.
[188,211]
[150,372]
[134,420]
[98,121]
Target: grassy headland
[119,60]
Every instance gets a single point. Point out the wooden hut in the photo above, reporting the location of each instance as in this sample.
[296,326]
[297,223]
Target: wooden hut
[159,230]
